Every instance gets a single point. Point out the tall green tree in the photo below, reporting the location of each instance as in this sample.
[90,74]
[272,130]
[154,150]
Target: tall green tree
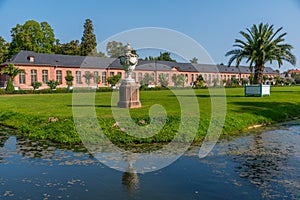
[115,49]
[88,41]
[4,49]
[48,38]
[32,36]
[261,44]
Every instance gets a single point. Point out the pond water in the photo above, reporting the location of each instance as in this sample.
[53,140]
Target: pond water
[263,164]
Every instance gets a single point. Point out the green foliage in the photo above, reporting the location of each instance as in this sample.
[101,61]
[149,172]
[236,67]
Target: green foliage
[69,79]
[9,87]
[88,76]
[216,82]
[97,79]
[69,48]
[178,80]
[163,80]
[32,36]
[115,49]
[199,83]
[166,56]
[245,81]
[52,84]
[113,80]
[11,71]
[148,79]
[101,54]
[36,85]
[297,78]
[251,79]
[261,45]
[88,41]
[234,81]
[4,50]
[279,80]
[194,60]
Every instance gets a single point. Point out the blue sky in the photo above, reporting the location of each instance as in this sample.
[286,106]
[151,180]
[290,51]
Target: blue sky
[212,23]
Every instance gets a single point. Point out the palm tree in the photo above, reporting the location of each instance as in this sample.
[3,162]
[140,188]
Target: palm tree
[261,45]
[12,72]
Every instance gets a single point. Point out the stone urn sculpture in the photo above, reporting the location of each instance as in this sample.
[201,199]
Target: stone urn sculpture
[129,61]
[129,89]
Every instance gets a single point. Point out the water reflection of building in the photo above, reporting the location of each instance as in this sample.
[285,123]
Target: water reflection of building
[3,138]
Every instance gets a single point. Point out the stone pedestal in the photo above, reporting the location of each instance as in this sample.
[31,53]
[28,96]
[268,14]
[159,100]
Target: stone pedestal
[129,95]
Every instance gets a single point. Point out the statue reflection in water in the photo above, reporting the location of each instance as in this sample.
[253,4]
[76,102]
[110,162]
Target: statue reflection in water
[130,177]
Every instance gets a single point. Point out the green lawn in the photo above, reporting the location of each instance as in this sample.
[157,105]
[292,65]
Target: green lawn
[30,113]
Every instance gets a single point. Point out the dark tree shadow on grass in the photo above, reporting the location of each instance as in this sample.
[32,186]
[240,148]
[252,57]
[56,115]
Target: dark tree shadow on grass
[98,106]
[206,95]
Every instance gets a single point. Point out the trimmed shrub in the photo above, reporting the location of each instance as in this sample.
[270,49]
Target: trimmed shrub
[10,87]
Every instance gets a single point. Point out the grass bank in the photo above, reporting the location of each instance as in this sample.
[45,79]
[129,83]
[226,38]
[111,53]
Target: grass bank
[49,116]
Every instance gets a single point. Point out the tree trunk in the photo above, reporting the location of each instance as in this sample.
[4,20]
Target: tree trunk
[258,74]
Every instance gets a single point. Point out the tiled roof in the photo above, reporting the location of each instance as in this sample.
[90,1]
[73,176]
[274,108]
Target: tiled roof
[269,70]
[155,65]
[22,58]
[209,68]
[226,69]
[61,60]
[244,69]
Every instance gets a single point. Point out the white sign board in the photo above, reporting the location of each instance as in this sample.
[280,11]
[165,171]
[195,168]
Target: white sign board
[257,90]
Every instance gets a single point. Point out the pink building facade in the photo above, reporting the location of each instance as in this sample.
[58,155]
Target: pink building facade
[45,67]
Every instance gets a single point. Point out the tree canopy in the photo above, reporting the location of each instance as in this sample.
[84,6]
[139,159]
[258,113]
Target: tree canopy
[194,60]
[69,48]
[40,38]
[115,49]
[32,36]
[166,56]
[4,50]
[261,44]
